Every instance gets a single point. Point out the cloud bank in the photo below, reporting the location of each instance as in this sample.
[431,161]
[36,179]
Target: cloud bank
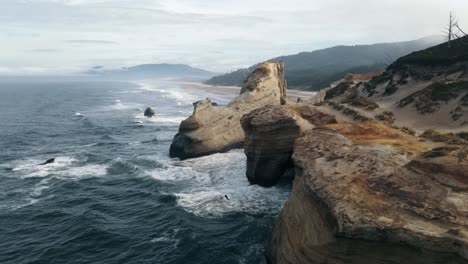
[217,35]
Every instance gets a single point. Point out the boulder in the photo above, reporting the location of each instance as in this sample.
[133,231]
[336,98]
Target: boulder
[270,134]
[216,129]
[149,112]
[371,182]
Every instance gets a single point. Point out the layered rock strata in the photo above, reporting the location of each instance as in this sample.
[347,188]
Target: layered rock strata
[212,129]
[368,181]
[270,134]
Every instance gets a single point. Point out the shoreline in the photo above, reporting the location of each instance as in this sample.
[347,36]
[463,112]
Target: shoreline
[235,90]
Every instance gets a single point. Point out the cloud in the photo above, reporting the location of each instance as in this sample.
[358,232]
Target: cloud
[92,41]
[215,34]
[44,50]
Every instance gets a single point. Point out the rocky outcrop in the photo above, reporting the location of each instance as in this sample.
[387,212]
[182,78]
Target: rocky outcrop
[270,134]
[213,129]
[149,112]
[371,182]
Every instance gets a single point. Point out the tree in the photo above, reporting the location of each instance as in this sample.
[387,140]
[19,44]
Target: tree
[453,30]
[450,31]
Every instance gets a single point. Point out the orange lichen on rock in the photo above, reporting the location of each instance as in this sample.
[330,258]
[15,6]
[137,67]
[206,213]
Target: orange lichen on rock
[372,133]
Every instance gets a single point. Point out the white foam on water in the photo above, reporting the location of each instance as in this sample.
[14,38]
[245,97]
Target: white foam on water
[205,203]
[28,202]
[92,170]
[63,166]
[159,118]
[118,105]
[40,187]
[168,238]
[31,167]
[207,180]
[176,174]
[170,91]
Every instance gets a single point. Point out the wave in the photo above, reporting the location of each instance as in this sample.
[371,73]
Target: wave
[118,105]
[169,173]
[168,238]
[160,119]
[62,166]
[180,96]
[202,184]
[205,203]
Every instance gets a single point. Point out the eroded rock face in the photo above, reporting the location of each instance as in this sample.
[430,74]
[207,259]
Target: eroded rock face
[270,134]
[213,129]
[367,181]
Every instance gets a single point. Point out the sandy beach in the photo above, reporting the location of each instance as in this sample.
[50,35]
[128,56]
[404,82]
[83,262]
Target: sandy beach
[234,90]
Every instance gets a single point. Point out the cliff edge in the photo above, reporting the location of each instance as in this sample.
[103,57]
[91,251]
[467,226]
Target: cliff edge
[373,182]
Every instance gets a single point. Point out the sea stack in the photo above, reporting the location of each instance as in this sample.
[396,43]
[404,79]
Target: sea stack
[149,112]
[212,129]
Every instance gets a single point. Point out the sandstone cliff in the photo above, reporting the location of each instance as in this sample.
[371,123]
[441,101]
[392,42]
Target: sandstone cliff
[270,134]
[213,129]
[369,181]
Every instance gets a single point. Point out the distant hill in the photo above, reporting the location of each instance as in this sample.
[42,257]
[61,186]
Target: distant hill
[317,69]
[153,71]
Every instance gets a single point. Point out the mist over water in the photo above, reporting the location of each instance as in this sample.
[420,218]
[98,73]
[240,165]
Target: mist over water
[113,195]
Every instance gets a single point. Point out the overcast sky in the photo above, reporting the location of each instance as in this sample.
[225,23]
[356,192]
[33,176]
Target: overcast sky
[60,36]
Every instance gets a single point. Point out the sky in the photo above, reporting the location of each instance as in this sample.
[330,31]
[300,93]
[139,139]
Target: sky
[66,36]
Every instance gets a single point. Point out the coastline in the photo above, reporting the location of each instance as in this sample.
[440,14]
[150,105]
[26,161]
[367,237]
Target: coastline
[234,90]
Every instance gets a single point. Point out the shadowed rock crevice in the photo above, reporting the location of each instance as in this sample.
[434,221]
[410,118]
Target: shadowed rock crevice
[270,134]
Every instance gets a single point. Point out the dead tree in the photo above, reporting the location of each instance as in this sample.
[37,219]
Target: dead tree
[450,31]
[461,30]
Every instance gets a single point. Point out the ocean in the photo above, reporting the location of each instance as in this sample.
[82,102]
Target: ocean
[113,195]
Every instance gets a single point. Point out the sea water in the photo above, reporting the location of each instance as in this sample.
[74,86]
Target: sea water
[113,195]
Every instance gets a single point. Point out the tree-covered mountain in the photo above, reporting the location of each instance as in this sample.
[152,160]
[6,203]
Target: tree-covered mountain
[315,70]
[153,71]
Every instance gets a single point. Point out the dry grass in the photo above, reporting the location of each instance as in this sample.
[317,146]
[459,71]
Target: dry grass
[372,133]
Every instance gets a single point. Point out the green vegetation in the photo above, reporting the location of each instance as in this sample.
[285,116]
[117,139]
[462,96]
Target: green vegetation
[428,99]
[449,138]
[318,69]
[439,152]
[348,111]
[386,116]
[391,89]
[338,90]
[408,131]
[437,56]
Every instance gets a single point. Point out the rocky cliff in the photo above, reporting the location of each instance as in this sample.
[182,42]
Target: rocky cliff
[358,180]
[369,181]
[270,135]
[212,129]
